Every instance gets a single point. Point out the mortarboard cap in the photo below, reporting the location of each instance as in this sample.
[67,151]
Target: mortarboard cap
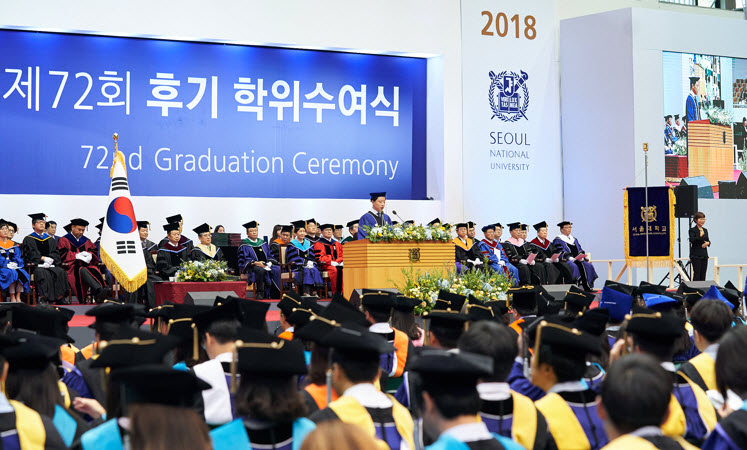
[564,223]
[693,80]
[449,300]
[470,225]
[434,221]
[286,229]
[378,301]
[37,216]
[445,319]
[618,303]
[542,224]
[174,219]
[656,325]
[659,302]
[169,227]
[44,321]
[112,312]
[460,225]
[289,301]
[312,221]
[343,312]
[499,307]
[649,288]
[228,310]
[578,297]
[713,293]
[252,224]
[523,227]
[132,347]
[159,384]
[498,225]
[514,226]
[351,223]
[298,224]
[477,312]
[327,225]
[338,227]
[565,340]
[407,304]
[523,297]
[271,357]
[311,302]
[31,352]
[667,117]
[488,227]
[458,370]
[253,313]
[79,222]
[593,321]
[12,225]
[69,227]
[620,287]
[676,116]
[316,330]
[204,228]
[299,317]
[357,343]
[143,224]
[394,222]
[375,195]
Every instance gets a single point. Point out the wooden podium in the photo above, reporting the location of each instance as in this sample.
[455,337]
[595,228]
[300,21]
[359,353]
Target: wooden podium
[377,265]
[710,151]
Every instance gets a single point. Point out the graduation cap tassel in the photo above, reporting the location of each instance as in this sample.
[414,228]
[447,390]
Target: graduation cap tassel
[195,343]
[328,378]
[234,363]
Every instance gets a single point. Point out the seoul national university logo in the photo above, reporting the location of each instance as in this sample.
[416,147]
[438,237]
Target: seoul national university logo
[509,95]
[648,216]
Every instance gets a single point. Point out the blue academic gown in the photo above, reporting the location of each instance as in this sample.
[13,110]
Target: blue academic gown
[519,383]
[370,220]
[693,110]
[9,276]
[491,250]
[730,433]
[249,254]
[299,254]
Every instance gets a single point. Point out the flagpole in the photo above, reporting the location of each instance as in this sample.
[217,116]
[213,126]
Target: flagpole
[645,177]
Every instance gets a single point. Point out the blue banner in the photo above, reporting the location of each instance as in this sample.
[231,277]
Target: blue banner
[208,120]
[658,218]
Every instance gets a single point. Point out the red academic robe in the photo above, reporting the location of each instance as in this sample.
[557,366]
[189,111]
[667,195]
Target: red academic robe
[327,251]
[68,247]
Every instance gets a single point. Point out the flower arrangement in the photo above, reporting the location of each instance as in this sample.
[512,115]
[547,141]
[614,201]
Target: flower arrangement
[680,147]
[208,270]
[485,286]
[407,233]
[718,116]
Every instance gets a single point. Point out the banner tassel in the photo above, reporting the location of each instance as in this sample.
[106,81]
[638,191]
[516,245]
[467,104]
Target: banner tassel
[129,285]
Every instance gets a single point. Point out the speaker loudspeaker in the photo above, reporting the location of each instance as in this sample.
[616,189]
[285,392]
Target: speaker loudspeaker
[690,286]
[557,291]
[206,298]
[727,189]
[705,190]
[687,201]
[742,185]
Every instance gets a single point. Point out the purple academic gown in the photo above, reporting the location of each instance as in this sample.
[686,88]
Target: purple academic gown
[575,250]
[299,254]
[369,219]
[10,276]
[730,433]
[248,254]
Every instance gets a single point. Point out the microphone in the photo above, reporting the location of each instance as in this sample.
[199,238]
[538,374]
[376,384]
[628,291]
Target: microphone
[395,213]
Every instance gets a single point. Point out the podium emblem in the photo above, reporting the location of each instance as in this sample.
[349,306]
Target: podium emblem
[414,255]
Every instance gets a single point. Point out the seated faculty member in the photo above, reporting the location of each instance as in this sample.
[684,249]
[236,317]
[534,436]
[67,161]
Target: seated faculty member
[256,261]
[205,250]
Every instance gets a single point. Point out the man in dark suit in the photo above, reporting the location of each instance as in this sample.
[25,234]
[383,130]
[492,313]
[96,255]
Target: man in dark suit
[52,230]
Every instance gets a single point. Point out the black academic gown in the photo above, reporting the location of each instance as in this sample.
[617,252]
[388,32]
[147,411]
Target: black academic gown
[147,291]
[556,273]
[170,259]
[527,274]
[51,284]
